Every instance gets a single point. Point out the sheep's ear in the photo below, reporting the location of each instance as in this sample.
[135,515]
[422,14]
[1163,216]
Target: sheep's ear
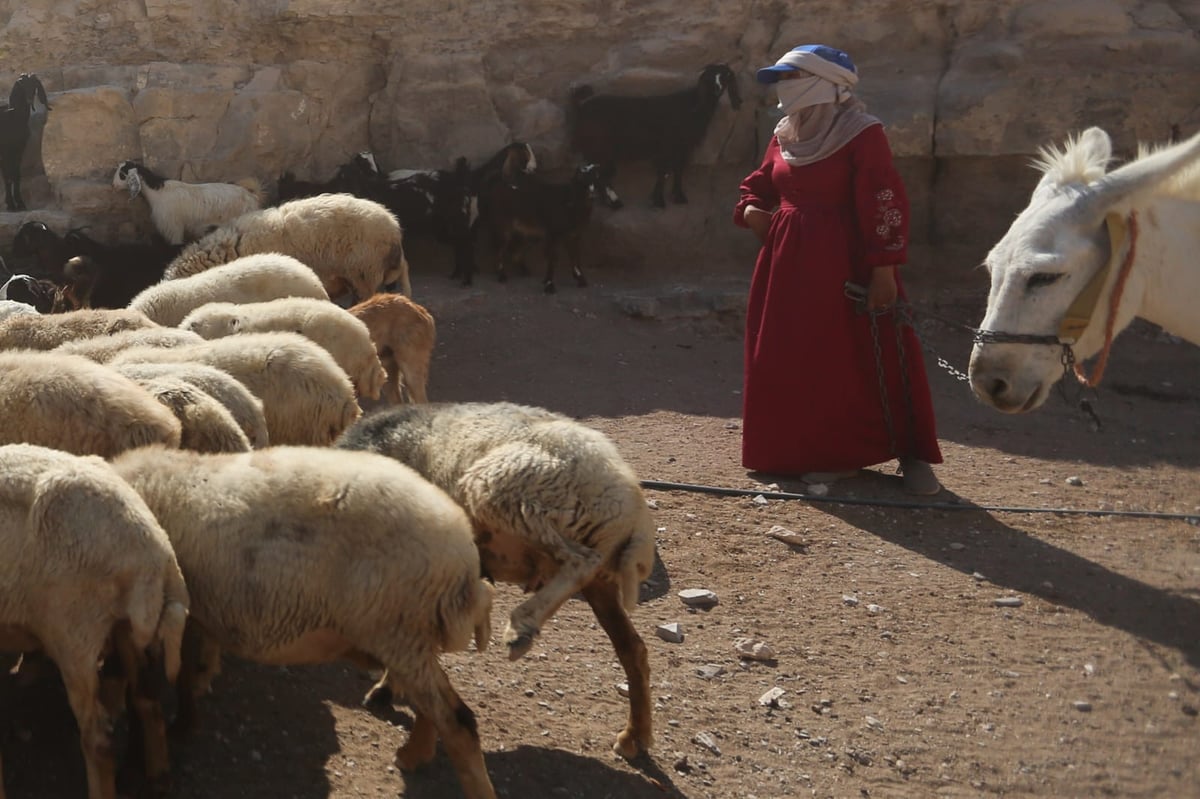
[235,324]
[134,181]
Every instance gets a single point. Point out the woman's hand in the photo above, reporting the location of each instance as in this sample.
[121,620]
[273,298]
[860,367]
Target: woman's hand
[881,292]
[758,221]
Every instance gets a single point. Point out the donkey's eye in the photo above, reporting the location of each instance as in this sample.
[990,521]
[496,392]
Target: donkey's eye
[1043,279]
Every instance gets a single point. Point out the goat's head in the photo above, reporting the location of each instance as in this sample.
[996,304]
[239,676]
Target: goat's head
[365,161]
[128,177]
[518,158]
[717,79]
[32,238]
[27,91]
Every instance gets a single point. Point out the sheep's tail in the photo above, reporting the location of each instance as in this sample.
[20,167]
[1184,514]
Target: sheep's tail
[174,619]
[255,187]
[396,264]
[467,614]
[637,556]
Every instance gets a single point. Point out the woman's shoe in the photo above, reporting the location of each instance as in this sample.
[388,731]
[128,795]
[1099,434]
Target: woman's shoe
[918,477]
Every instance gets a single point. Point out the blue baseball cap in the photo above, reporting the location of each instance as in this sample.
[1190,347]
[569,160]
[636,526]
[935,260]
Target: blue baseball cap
[796,57]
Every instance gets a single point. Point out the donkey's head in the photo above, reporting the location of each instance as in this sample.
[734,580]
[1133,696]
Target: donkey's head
[1057,246]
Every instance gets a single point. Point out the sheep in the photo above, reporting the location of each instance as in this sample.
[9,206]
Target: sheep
[307,398]
[205,424]
[404,334]
[27,90]
[186,211]
[70,403]
[47,332]
[246,408]
[665,129]
[524,206]
[353,244]
[252,278]
[315,554]
[103,349]
[88,573]
[345,337]
[12,308]
[554,508]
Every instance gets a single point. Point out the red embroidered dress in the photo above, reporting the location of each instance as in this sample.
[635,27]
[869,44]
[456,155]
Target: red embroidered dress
[811,398]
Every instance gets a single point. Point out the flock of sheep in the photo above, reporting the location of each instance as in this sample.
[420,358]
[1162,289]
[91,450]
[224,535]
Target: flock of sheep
[192,474]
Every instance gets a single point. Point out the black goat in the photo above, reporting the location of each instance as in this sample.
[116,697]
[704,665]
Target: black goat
[14,134]
[525,206]
[47,249]
[349,179]
[44,295]
[664,129]
[110,275]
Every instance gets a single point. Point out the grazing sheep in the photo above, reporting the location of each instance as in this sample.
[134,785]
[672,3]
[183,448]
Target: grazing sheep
[247,409]
[307,398]
[555,509]
[404,334]
[663,129]
[186,211]
[352,244]
[345,337]
[315,554]
[88,573]
[103,349]
[70,403]
[205,424]
[29,332]
[27,90]
[253,278]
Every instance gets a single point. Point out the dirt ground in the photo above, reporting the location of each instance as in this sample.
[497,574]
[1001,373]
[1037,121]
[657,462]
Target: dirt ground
[901,676]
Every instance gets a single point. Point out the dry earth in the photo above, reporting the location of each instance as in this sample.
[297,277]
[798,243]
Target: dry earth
[902,677]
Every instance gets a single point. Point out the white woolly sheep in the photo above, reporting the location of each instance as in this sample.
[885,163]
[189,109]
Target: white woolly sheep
[247,409]
[254,278]
[352,244]
[184,211]
[345,337]
[13,308]
[205,424]
[102,349]
[47,331]
[307,398]
[316,554]
[404,334]
[70,403]
[88,573]
[555,509]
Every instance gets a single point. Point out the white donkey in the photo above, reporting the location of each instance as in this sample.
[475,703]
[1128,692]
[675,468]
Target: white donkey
[1089,253]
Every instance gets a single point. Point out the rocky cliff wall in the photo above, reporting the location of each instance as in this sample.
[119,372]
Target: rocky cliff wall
[219,90]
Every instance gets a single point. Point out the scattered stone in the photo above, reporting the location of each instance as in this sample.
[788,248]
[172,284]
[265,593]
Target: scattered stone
[731,425]
[1074,480]
[759,499]
[529,692]
[1082,706]
[874,608]
[817,489]
[707,741]
[901,679]
[849,601]
[781,533]
[652,504]
[874,723]
[1008,602]
[623,689]
[681,765]
[671,633]
[710,671]
[957,547]
[1089,670]
[754,650]
[1189,710]
[1045,481]
[772,698]
[698,597]
[979,578]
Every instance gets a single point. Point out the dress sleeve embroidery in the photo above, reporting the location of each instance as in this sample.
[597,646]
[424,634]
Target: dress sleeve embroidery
[889,220]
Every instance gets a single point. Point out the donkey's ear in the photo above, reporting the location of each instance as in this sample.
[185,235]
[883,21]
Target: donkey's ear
[1096,146]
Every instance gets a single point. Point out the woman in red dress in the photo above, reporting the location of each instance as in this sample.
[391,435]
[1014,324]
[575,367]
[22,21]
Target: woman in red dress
[831,384]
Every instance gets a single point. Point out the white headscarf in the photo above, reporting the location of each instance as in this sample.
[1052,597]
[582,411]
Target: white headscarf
[821,113]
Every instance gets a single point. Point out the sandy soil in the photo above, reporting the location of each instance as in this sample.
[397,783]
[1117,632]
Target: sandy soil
[901,676]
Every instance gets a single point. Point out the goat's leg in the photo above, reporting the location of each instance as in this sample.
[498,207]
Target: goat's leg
[607,173]
[551,249]
[9,201]
[677,184]
[605,600]
[18,202]
[574,243]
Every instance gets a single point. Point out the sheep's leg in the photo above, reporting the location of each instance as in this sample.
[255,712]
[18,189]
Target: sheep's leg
[605,600]
[440,711]
[201,662]
[577,565]
[95,728]
[145,684]
[416,377]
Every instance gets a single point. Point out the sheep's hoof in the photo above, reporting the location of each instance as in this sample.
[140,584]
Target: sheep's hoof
[628,746]
[548,287]
[518,643]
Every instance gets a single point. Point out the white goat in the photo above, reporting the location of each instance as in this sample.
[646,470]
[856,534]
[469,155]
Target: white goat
[186,211]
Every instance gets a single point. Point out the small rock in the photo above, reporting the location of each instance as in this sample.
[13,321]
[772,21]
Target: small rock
[731,425]
[771,698]
[1045,481]
[754,650]
[849,601]
[623,689]
[1089,670]
[1008,602]
[671,633]
[817,489]
[710,671]
[681,765]
[979,578]
[698,597]
[652,504]
[1082,706]
[1188,710]
[957,547]
[759,499]
[707,741]
[874,723]
[1074,480]
[874,608]
[781,533]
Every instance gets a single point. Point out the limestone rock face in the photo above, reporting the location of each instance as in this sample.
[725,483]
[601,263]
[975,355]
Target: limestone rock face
[202,90]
